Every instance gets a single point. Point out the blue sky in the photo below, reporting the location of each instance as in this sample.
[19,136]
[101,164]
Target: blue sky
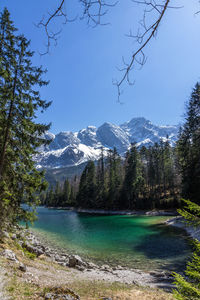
[83,64]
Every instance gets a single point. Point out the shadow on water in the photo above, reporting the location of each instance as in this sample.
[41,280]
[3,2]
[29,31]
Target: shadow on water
[167,244]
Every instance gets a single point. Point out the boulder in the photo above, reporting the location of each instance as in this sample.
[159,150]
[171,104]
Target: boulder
[32,249]
[22,267]
[75,260]
[9,254]
[59,258]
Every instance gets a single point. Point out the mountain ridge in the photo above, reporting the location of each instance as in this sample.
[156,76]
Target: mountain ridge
[69,148]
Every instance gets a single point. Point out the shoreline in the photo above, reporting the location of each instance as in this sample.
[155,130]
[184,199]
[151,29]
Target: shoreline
[119,212]
[84,269]
[74,266]
[80,268]
[179,222]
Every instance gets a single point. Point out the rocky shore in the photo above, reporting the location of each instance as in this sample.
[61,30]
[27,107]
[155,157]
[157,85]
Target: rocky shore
[80,268]
[180,222]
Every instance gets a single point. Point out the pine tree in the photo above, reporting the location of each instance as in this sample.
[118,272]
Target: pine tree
[101,182]
[57,194]
[66,193]
[188,148]
[114,179]
[72,198]
[188,286]
[133,181]
[20,135]
[87,188]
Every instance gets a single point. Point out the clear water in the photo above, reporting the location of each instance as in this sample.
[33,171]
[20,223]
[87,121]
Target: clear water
[141,242]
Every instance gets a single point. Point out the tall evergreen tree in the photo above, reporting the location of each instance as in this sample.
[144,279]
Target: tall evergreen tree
[188,286]
[66,193]
[114,178]
[188,148]
[133,181]
[87,188]
[20,134]
[100,181]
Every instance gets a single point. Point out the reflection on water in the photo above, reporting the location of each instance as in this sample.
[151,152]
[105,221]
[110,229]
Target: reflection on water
[135,241]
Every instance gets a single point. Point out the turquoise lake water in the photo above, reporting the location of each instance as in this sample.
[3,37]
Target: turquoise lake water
[142,242]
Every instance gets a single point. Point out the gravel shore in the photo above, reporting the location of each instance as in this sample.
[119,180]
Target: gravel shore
[86,270]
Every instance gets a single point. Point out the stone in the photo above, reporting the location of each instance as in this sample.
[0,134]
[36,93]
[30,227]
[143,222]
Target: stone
[14,236]
[80,268]
[62,263]
[32,249]
[75,260]
[9,254]
[59,293]
[106,268]
[42,257]
[91,265]
[119,267]
[59,258]
[22,267]
[5,234]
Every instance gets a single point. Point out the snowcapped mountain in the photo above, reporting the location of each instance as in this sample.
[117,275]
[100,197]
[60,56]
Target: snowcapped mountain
[72,149]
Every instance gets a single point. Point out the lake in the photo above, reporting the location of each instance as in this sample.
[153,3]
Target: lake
[142,242]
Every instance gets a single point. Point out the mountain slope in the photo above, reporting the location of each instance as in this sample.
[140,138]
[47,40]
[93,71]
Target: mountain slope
[69,149]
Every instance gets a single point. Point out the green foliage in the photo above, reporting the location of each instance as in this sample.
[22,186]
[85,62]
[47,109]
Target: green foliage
[133,181]
[28,254]
[20,135]
[188,148]
[87,188]
[188,286]
[147,179]
[191,213]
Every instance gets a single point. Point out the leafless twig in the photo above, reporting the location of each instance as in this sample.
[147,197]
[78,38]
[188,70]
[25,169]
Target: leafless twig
[143,36]
[93,11]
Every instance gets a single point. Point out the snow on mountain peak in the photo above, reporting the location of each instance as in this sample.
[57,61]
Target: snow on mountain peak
[69,149]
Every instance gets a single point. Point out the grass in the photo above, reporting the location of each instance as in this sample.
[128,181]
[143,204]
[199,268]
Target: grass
[97,290]
[21,290]
[87,290]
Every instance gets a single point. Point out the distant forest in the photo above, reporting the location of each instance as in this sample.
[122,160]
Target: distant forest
[146,178]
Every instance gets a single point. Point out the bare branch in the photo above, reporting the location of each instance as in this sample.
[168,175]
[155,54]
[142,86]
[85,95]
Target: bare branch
[143,38]
[93,11]
[51,35]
